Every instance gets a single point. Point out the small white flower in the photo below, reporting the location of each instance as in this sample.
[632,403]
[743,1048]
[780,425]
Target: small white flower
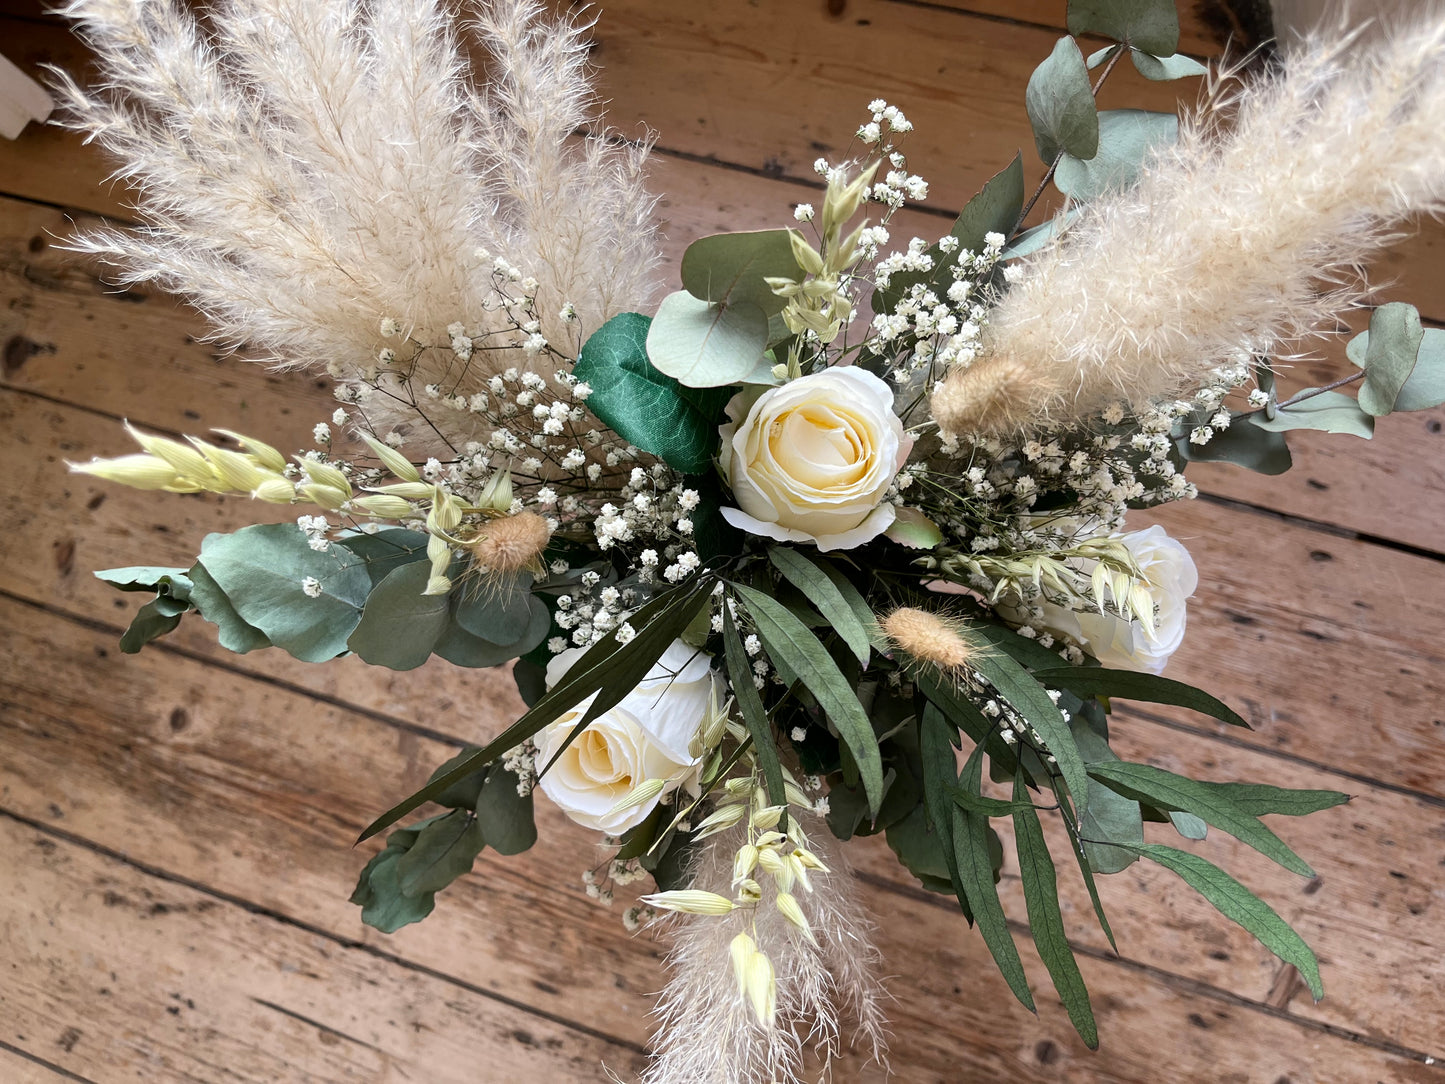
[311,586]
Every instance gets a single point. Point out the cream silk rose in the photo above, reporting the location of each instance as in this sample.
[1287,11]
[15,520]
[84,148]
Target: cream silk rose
[648,735]
[1124,645]
[810,461]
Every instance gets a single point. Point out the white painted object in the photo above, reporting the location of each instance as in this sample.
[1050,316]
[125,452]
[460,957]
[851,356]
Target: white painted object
[22,100]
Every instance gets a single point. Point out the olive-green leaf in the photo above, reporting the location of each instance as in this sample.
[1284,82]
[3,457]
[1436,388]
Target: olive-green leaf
[1081,858]
[1261,798]
[1126,139]
[732,267]
[1146,783]
[1425,387]
[790,644]
[400,625]
[505,816]
[1016,685]
[232,633]
[1046,921]
[378,890]
[1391,351]
[499,612]
[1087,681]
[676,423]
[940,783]
[1244,443]
[1239,904]
[444,850]
[1036,237]
[703,344]
[740,677]
[264,570]
[1060,104]
[1151,26]
[823,592]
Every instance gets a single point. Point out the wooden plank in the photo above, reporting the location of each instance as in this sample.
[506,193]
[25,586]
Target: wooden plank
[1268,636]
[24,1068]
[113,973]
[233,799]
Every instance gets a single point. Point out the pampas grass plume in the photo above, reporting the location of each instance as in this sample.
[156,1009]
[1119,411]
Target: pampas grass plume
[1241,240]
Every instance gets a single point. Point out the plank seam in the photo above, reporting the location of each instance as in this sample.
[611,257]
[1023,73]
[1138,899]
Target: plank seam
[250,907]
[58,1070]
[1195,987]
[1296,520]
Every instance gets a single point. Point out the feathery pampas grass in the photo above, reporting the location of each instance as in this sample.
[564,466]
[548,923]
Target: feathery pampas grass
[307,168]
[1242,239]
[709,1033]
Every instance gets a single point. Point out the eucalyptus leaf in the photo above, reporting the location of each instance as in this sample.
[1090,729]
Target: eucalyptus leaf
[498,611]
[1046,921]
[1036,237]
[647,408]
[146,578]
[1188,825]
[1392,349]
[1151,26]
[1126,139]
[264,570]
[505,816]
[1244,443]
[386,550]
[151,622]
[464,792]
[460,648]
[919,850]
[400,625]
[1327,411]
[790,644]
[1165,789]
[1060,104]
[378,890]
[1164,68]
[732,267]
[232,632]
[444,850]
[706,345]
[1239,904]
[1111,819]
[1426,386]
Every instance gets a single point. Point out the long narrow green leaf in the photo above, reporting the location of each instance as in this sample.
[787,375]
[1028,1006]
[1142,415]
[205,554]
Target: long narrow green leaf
[823,593]
[790,644]
[1087,870]
[740,676]
[610,669]
[1261,798]
[935,741]
[964,714]
[855,600]
[1046,922]
[1128,685]
[1016,685]
[975,874]
[1145,783]
[1239,904]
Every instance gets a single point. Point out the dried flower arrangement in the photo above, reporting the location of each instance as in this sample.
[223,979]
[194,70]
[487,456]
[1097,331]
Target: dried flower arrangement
[770,573]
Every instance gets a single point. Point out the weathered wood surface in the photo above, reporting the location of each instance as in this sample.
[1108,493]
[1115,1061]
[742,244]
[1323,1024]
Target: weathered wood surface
[214,796]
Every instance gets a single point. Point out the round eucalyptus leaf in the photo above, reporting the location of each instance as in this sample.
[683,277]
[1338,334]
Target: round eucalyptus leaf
[385,551]
[232,632]
[1162,69]
[1149,25]
[400,625]
[1329,412]
[731,267]
[1425,386]
[498,612]
[1060,104]
[706,345]
[1391,349]
[1126,137]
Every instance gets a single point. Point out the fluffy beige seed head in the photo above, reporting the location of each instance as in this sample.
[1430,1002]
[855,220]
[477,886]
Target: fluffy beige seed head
[512,543]
[927,636]
[994,396]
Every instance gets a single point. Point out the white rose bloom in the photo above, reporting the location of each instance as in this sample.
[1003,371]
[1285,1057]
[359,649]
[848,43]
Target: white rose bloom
[648,735]
[1124,645]
[811,460]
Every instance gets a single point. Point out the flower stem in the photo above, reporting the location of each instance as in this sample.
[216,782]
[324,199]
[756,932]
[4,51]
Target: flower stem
[1310,393]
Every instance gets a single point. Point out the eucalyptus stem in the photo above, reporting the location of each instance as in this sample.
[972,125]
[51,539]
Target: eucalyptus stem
[1049,173]
[1310,393]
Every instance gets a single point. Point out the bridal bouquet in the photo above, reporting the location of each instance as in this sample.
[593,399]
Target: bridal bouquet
[832,540]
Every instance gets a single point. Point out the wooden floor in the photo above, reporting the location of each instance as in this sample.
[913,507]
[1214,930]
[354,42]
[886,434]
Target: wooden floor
[175,828]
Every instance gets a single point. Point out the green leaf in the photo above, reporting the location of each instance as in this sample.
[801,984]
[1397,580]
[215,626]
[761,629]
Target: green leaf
[1111,819]
[232,632]
[1036,237]
[672,421]
[1060,104]
[506,817]
[151,622]
[146,578]
[1046,922]
[1164,68]
[498,612]
[789,644]
[400,626]
[1187,824]
[444,850]
[1244,443]
[1145,783]
[809,578]
[935,739]
[919,849]
[1088,681]
[731,267]
[1028,698]
[460,648]
[1082,859]
[1426,386]
[608,668]
[964,714]
[1391,351]
[1327,411]
[262,569]
[385,551]
[975,875]
[1151,26]
[1239,904]
[1126,139]
[378,890]
[1261,798]
[706,345]
[464,792]
[740,677]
